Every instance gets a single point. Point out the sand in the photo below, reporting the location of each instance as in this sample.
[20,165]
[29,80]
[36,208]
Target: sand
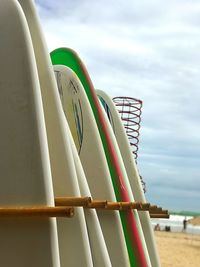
[178,249]
[195,221]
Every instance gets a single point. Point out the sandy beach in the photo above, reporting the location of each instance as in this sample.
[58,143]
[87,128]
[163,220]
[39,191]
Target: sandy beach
[178,249]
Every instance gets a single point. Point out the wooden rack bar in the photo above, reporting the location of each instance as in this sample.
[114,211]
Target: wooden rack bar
[39,211]
[73,201]
[87,202]
[113,206]
[125,205]
[65,208]
[159,216]
[140,206]
[165,211]
[155,211]
[97,204]
[154,207]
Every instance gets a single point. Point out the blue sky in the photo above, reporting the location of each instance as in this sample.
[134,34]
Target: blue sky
[148,49]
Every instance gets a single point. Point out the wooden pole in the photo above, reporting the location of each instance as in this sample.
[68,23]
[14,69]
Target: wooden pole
[159,216]
[87,202]
[39,211]
[159,211]
[140,206]
[113,206]
[154,207]
[73,201]
[125,205]
[97,204]
[145,206]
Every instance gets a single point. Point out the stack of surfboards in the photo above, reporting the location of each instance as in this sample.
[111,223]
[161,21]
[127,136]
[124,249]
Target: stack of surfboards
[56,140]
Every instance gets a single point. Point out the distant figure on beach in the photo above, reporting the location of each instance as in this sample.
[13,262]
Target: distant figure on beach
[157,227]
[167,228]
[184,224]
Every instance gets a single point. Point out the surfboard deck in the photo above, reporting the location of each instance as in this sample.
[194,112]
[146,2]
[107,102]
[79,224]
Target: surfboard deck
[25,169]
[68,57]
[132,173]
[98,247]
[126,182]
[72,234]
[88,143]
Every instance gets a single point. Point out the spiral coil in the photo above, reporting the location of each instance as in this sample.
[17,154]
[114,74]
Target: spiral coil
[130,110]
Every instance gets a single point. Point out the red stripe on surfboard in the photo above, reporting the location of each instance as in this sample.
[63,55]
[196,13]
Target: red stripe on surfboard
[135,237]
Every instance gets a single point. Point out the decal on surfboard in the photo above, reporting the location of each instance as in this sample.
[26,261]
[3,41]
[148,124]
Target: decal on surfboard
[108,112]
[77,115]
[59,84]
[79,122]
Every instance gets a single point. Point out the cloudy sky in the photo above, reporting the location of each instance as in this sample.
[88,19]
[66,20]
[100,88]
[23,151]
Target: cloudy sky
[148,49]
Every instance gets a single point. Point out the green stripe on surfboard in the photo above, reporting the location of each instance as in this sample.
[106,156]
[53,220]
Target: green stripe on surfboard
[65,56]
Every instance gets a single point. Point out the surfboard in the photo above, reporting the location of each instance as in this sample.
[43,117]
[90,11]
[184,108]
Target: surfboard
[72,234]
[25,169]
[68,57]
[88,144]
[126,182]
[98,247]
[132,172]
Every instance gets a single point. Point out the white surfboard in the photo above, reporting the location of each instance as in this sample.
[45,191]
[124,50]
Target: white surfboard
[98,247]
[88,143]
[127,183]
[25,175]
[72,234]
[133,176]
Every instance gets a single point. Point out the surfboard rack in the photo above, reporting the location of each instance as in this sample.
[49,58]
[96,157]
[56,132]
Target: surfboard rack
[87,202]
[64,207]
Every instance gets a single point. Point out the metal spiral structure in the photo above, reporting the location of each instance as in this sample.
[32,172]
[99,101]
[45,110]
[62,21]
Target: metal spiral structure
[130,110]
